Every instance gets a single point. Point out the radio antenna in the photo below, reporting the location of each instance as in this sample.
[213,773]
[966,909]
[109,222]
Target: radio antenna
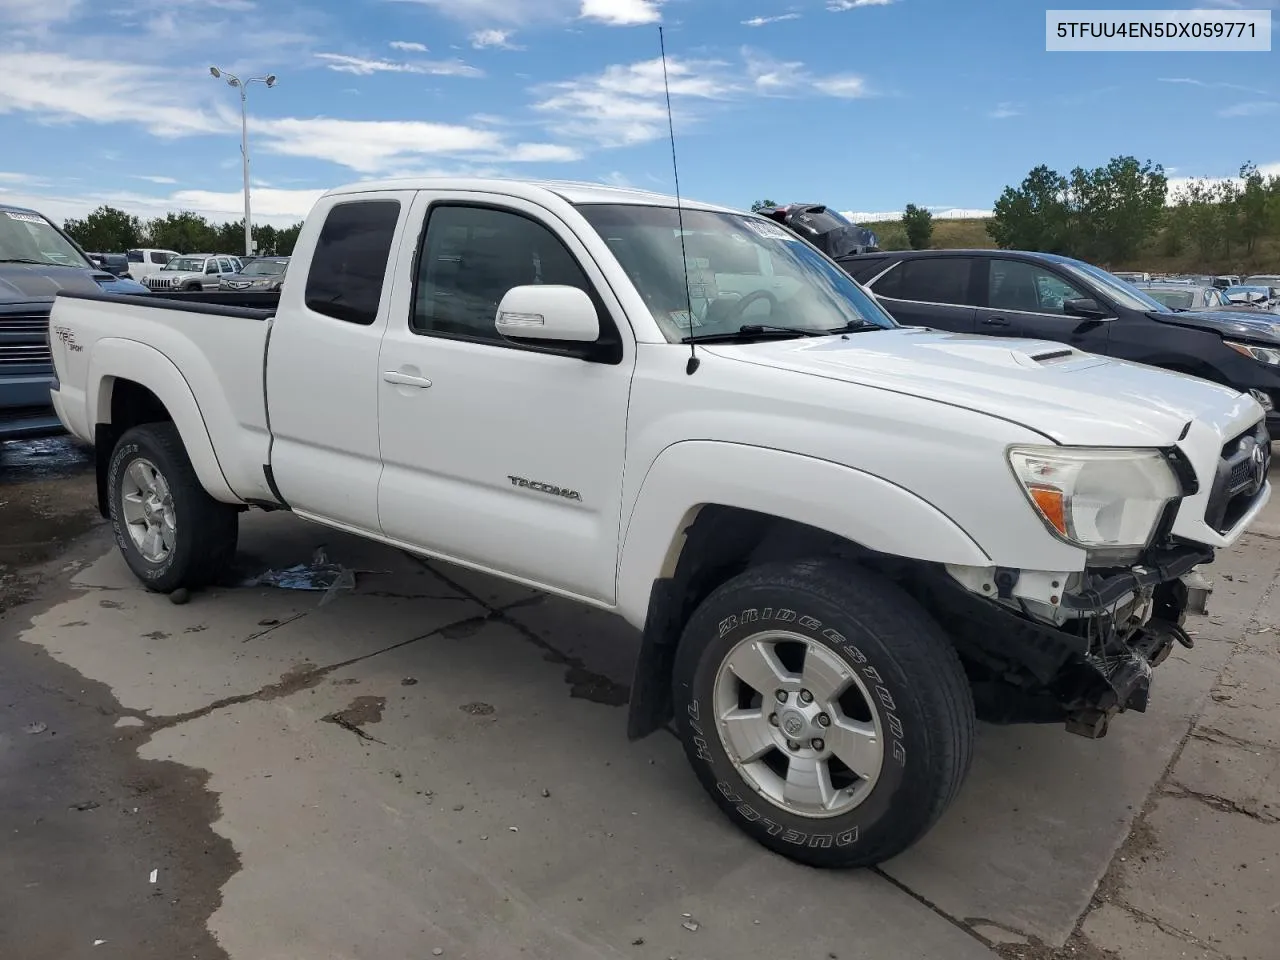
[692,365]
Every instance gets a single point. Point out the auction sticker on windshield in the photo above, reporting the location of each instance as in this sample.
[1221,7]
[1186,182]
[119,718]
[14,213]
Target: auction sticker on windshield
[767,230]
[25,217]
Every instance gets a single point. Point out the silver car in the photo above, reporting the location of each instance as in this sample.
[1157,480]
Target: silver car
[197,271]
[1185,296]
[264,273]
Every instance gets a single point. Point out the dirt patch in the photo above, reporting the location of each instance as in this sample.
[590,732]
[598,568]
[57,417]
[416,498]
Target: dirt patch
[362,710]
[1077,947]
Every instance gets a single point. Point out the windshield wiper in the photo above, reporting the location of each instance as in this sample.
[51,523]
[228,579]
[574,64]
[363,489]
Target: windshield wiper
[750,330]
[41,263]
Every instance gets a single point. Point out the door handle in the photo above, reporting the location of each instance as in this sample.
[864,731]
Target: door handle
[996,322]
[405,380]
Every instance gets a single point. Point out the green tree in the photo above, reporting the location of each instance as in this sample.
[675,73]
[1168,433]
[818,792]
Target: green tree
[1253,207]
[1034,216]
[918,222]
[893,237]
[106,230]
[1115,208]
[287,239]
[759,205]
[185,232]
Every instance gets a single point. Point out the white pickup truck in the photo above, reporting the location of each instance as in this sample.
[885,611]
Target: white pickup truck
[841,538]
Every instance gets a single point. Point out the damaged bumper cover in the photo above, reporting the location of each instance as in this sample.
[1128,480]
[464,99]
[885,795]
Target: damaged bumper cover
[1096,658]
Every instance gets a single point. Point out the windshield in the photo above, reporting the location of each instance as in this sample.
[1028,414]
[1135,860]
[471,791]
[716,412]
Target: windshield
[1125,293]
[1175,299]
[741,271]
[1263,280]
[264,268]
[185,264]
[29,236]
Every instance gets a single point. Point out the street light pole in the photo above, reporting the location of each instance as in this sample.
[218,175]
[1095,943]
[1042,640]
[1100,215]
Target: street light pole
[234,81]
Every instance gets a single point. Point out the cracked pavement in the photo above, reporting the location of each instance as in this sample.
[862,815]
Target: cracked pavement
[438,761]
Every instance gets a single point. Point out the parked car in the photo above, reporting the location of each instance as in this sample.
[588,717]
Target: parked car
[261,273]
[146,261]
[1177,295]
[37,260]
[1015,294]
[116,264]
[824,227]
[200,271]
[1252,298]
[817,519]
[1262,280]
[1130,276]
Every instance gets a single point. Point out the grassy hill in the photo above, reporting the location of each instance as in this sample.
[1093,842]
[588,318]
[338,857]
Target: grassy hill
[972,235]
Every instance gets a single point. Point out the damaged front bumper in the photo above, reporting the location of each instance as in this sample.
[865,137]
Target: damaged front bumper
[1088,658]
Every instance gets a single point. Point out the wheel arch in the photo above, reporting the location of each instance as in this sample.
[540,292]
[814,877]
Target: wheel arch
[708,510]
[133,383]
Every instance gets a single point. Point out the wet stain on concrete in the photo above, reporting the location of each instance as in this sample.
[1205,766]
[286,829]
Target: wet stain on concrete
[361,711]
[478,709]
[155,635]
[111,604]
[87,820]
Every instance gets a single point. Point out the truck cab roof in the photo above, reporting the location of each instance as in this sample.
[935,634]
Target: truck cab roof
[538,190]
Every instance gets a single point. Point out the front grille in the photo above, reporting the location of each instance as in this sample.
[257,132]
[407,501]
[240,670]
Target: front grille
[159,283]
[1241,474]
[34,324]
[26,354]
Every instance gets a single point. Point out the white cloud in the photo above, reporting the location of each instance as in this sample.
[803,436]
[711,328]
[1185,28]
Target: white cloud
[278,207]
[939,213]
[154,179]
[1003,111]
[1178,184]
[30,12]
[57,88]
[362,67]
[839,6]
[848,86]
[1210,84]
[624,104]
[376,146]
[409,46]
[621,13]
[762,21]
[778,78]
[1253,108]
[500,39]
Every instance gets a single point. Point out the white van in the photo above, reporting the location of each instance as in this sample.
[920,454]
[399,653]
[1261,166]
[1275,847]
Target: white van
[144,262]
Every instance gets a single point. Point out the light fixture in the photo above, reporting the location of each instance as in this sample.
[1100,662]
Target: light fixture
[216,73]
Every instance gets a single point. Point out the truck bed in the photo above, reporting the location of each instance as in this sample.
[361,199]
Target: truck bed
[199,346]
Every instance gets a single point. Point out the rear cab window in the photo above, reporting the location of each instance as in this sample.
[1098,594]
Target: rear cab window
[351,258]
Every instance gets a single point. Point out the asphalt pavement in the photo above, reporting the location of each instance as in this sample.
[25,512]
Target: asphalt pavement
[435,764]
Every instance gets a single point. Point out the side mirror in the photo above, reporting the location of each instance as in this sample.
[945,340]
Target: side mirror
[548,312]
[1086,308]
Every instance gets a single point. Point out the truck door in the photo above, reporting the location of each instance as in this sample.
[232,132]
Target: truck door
[322,359]
[495,454]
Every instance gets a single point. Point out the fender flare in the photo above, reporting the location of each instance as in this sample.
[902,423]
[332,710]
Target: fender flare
[120,359]
[686,476]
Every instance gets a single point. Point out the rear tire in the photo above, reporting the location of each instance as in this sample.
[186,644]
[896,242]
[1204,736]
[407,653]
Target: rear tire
[170,531]
[853,771]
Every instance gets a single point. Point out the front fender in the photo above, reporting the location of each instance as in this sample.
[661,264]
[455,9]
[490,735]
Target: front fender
[849,503]
[118,359]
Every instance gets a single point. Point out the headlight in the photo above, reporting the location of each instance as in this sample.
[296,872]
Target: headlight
[1267,355]
[1106,500]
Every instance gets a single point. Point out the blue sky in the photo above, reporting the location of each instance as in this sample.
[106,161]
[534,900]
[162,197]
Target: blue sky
[863,104]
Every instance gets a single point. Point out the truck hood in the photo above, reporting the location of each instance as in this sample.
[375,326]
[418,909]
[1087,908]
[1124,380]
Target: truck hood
[1065,394]
[1254,325]
[40,283]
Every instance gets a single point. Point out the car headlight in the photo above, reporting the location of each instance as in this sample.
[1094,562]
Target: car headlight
[1104,499]
[1267,355]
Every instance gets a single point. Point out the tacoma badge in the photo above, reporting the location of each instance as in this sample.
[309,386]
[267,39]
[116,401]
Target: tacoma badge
[545,488]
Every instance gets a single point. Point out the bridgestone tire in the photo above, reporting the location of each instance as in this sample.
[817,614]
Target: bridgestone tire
[205,529]
[887,639]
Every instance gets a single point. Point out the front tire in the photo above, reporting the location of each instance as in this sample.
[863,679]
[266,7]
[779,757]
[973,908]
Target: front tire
[824,711]
[171,532]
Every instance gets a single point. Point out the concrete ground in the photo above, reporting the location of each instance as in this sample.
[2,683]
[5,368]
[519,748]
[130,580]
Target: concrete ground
[435,765]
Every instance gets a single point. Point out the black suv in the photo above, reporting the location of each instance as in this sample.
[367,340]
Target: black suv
[1042,296]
